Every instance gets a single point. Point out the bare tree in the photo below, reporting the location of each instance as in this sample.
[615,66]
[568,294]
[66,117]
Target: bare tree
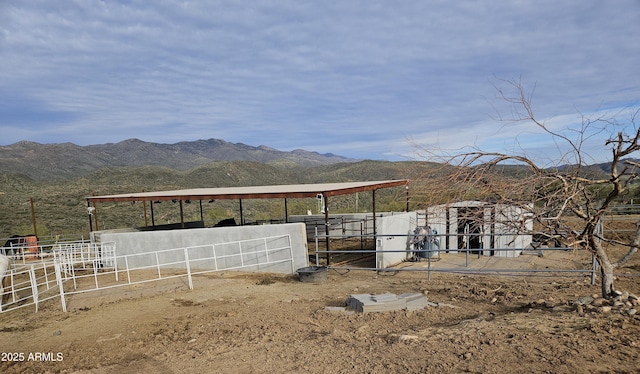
[566,200]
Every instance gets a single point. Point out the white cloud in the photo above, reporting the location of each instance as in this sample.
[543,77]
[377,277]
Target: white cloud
[356,78]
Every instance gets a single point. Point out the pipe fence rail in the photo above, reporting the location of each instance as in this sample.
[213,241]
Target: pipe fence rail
[30,285]
[432,254]
[80,267]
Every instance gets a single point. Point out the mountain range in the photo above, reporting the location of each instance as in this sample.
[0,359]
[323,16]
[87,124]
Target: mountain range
[62,161]
[55,178]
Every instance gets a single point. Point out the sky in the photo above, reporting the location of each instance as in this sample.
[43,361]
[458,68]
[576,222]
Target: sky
[382,80]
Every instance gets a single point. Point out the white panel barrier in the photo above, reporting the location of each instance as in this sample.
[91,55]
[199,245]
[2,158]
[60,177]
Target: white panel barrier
[84,267]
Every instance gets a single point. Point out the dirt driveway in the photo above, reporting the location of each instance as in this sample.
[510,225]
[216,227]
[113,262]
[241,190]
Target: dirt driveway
[263,323]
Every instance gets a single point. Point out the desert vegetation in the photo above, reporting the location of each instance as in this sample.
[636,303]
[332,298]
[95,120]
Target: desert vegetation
[60,206]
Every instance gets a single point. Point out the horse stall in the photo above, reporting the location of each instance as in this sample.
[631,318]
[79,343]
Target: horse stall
[481,228]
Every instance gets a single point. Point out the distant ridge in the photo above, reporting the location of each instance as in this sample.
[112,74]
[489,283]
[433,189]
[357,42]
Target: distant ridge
[61,161]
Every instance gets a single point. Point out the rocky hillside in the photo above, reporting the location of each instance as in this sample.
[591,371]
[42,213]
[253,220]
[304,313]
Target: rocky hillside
[67,160]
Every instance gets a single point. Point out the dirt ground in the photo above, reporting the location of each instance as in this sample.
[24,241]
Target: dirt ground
[256,323]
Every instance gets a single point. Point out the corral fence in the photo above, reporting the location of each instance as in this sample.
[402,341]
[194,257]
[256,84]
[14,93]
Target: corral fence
[465,260]
[620,222]
[344,227]
[79,267]
[29,285]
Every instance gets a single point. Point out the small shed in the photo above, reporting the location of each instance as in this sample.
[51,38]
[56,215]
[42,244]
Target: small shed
[484,228]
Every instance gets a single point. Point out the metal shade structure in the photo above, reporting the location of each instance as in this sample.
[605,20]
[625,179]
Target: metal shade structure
[325,190]
[252,192]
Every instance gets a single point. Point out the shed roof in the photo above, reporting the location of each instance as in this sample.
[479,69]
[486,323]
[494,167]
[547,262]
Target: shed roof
[253,192]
